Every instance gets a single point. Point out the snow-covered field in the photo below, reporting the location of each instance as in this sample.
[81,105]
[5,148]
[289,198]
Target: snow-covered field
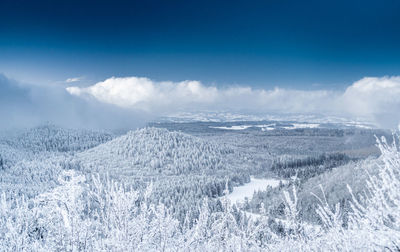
[265,127]
[303,126]
[288,126]
[240,193]
[242,127]
[234,127]
[237,117]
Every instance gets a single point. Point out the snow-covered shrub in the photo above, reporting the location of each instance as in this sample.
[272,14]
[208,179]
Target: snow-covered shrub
[77,216]
[373,222]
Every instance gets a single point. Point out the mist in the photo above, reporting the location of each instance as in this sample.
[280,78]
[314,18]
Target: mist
[25,105]
[131,102]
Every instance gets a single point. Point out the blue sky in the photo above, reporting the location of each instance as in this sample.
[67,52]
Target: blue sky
[117,63]
[263,44]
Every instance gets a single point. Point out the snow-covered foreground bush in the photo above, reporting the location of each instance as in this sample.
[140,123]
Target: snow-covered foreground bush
[103,215]
[373,222]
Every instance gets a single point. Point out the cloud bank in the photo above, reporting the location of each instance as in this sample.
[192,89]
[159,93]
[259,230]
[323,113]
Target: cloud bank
[376,98]
[148,95]
[371,98]
[145,94]
[25,105]
[132,101]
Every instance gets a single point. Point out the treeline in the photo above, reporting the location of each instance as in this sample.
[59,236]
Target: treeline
[52,138]
[183,194]
[309,167]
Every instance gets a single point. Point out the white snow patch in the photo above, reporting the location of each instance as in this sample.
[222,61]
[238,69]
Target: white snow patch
[234,127]
[359,125]
[243,127]
[302,126]
[264,126]
[239,193]
[267,129]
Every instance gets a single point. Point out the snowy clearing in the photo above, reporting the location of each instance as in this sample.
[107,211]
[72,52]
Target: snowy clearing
[243,127]
[234,127]
[239,193]
[302,126]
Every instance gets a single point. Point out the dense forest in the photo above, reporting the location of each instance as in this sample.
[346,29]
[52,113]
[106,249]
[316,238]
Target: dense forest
[158,190]
[308,167]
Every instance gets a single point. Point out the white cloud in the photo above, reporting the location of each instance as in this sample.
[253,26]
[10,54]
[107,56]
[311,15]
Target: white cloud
[143,93]
[376,99]
[75,79]
[373,95]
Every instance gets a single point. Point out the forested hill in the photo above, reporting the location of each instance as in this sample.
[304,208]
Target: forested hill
[157,151]
[183,168]
[51,138]
[31,160]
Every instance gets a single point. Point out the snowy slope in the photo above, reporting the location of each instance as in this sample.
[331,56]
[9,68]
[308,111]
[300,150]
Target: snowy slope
[52,138]
[152,151]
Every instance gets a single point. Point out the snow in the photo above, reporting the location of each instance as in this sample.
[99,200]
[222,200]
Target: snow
[224,116]
[243,127]
[221,116]
[56,209]
[267,127]
[290,126]
[359,125]
[234,127]
[302,126]
[239,193]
